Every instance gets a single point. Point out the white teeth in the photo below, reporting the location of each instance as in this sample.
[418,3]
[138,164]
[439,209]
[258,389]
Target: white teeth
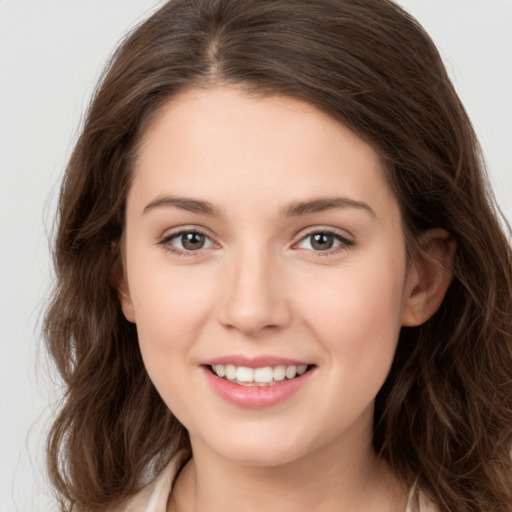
[265,375]
[244,374]
[291,371]
[279,372]
[230,371]
[220,370]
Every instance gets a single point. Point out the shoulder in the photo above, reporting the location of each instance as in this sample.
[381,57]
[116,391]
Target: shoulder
[419,502]
[154,496]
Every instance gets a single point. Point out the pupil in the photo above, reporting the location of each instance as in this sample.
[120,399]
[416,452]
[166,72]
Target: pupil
[193,241]
[322,241]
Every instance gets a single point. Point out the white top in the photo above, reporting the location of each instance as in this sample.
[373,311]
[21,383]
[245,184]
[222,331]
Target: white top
[155,496]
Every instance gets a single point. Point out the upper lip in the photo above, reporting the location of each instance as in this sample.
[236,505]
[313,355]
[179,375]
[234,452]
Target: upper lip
[255,362]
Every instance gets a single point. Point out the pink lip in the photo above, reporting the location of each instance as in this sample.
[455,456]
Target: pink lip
[254,362]
[255,397]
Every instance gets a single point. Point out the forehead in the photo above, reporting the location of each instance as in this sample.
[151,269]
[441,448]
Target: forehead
[223,144]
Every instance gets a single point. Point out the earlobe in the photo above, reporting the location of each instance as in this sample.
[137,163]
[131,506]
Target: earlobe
[123,293]
[125,299]
[429,277]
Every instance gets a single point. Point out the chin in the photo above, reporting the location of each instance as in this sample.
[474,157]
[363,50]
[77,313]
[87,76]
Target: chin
[265,448]
[256,456]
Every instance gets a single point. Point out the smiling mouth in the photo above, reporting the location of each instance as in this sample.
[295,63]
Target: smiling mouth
[264,376]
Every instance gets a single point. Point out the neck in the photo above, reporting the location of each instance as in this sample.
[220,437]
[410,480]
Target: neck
[341,477]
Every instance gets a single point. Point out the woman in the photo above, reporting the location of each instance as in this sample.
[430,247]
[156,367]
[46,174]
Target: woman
[270,279]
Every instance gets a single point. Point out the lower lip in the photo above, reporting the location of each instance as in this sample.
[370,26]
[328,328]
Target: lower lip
[255,397]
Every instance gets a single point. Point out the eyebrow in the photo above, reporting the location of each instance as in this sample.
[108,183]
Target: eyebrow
[322,204]
[184,203]
[295,209]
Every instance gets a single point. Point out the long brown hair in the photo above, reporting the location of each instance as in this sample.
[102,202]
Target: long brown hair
[444,415]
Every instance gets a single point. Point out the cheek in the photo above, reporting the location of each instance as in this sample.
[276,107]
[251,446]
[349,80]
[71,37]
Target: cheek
[170,311]
[356,315]
[170,307]
[357,325]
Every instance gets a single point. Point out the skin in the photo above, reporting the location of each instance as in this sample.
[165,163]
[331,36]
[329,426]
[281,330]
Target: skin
[259,287]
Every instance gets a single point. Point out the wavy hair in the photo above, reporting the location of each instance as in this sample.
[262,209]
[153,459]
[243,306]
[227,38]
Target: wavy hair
[444,415]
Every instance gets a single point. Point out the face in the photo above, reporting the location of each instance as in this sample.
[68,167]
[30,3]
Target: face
[265,270]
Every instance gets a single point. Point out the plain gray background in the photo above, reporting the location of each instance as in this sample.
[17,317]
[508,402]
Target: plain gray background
[51,54]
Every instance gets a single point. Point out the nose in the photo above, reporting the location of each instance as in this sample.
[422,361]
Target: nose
[253,296]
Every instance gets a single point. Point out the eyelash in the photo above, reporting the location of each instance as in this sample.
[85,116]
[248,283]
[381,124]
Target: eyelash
[165,242]
[344,245]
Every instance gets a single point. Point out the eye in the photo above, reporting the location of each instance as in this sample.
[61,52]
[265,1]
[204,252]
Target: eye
[186,241]
[324,241]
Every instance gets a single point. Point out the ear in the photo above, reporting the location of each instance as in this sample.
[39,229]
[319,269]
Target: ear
[429,276]
[120,283]
[125,299]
